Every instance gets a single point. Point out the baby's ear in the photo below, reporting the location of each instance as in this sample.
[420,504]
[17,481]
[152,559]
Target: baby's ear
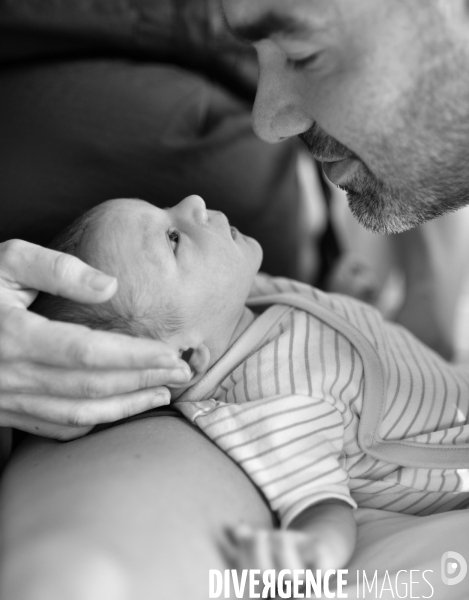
[198,358]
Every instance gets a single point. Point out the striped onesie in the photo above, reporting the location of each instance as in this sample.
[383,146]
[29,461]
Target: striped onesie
[321,398]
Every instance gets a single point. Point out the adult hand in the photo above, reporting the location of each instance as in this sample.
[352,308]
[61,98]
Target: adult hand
[59,379]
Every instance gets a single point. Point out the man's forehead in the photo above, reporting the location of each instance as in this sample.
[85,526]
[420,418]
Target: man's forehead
[254,20]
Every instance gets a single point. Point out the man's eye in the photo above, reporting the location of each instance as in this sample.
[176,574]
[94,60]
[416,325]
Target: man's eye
[304,63]
[173,238]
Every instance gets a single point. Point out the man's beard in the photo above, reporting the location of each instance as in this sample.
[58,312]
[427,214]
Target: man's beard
[376,205]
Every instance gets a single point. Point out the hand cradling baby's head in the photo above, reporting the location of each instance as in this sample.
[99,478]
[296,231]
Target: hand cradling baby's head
[183,273]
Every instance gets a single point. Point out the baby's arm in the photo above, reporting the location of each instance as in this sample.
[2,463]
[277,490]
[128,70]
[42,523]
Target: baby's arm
[322,537]
[292,448]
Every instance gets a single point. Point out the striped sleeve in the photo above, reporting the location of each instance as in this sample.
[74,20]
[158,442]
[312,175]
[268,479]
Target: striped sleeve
[290,446]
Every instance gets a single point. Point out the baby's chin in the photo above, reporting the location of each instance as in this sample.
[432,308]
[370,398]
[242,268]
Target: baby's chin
[257,252]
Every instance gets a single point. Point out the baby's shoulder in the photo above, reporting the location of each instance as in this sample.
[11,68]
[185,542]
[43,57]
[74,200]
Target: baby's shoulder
[360,315]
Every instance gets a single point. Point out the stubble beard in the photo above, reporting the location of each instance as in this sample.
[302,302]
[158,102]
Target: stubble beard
[377,206]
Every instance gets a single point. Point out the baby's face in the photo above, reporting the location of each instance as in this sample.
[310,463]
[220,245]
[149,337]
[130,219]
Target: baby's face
[186,259]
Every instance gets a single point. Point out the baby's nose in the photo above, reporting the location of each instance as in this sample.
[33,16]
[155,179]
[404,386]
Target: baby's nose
[195,205]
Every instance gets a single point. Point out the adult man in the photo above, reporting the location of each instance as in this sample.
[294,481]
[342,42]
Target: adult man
[374,89]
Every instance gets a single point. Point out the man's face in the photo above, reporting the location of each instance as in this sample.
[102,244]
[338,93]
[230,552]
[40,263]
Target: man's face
[376,89]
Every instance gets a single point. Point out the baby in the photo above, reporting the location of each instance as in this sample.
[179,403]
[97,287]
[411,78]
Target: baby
[323,404]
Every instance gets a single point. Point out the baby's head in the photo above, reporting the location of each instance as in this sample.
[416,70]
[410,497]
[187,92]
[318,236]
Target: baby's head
[184,274]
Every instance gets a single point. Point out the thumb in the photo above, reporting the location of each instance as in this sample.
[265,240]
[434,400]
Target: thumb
[28,266]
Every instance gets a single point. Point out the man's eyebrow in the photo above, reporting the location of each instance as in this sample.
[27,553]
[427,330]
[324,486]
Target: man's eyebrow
[267,25]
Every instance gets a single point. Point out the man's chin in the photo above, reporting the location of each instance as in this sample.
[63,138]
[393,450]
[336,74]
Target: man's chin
[371,213]
[386,212]
[375,205]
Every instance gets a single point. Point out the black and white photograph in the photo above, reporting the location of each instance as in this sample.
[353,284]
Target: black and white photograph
[234,299]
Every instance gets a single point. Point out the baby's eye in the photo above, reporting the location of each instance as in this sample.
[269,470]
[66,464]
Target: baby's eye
[173,238]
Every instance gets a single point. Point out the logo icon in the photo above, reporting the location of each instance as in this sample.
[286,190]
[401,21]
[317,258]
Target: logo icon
[453,568]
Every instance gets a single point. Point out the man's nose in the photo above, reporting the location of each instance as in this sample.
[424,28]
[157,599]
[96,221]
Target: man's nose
[278,112]
[193,207]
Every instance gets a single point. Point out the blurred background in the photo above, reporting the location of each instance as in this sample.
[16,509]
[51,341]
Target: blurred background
[152,99]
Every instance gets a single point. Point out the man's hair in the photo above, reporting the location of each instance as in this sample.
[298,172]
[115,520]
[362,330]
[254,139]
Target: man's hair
[120,314]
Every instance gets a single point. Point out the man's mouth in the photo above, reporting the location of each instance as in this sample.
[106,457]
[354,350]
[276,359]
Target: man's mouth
[341,171]
[339,162]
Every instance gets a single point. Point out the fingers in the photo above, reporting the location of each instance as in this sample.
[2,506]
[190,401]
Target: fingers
[43,428]
[30,266]
[30,378]
[354,276]
[25,336]
[79,413]
[255,549]
[55,376]
[268,549]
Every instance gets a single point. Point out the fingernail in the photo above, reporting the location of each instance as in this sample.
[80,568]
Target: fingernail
[183,366]
[181,375]
[163,398]
[99,281]
[168,361]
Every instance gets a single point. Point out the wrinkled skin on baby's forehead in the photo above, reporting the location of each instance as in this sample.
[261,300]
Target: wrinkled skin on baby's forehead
[123,215]
[125,238]
[115,242]
[116,227]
